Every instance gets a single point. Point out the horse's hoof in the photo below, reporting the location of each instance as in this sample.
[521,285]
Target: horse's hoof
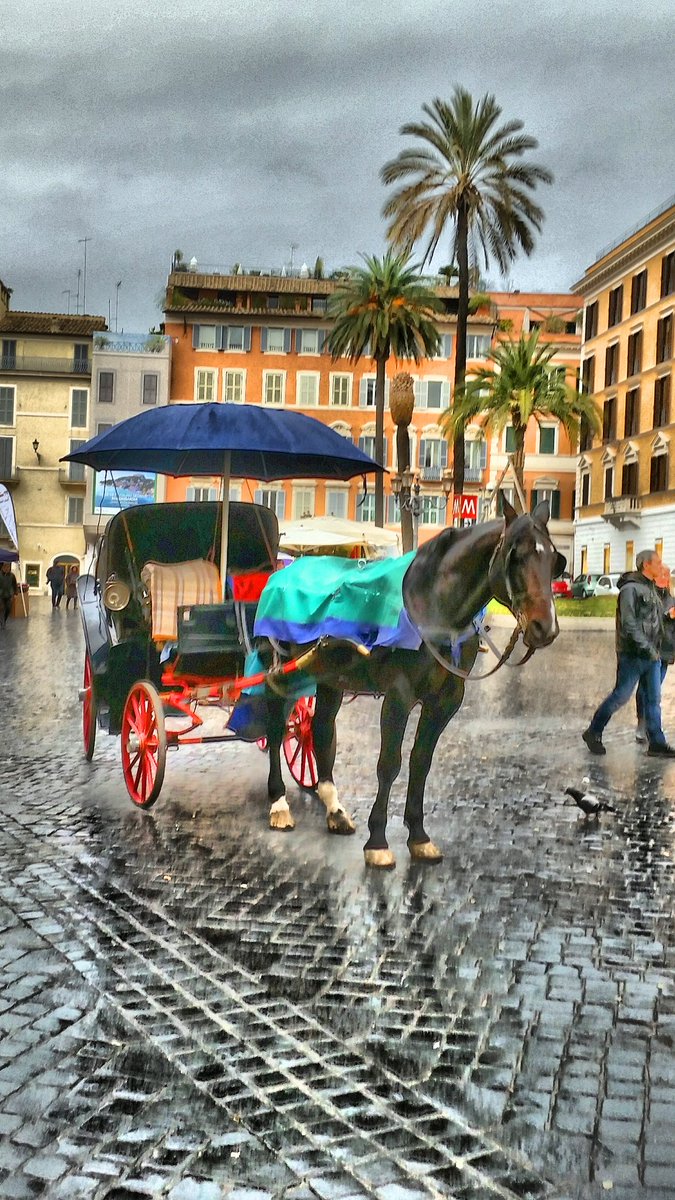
[340,822]
[383,859]
[281,816]
[425,852]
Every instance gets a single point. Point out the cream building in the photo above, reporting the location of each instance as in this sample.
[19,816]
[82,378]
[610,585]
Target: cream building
[45,396]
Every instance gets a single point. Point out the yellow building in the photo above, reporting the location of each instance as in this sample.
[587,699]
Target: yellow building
[626,477]
[45,377]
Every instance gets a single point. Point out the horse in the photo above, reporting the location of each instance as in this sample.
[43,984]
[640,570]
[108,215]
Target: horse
[450,579]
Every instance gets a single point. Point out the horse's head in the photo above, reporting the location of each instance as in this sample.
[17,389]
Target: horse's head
[523,566]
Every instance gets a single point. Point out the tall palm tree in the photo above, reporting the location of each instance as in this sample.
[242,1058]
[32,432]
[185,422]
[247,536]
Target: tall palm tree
[383,308]
[520,386]
[469,172]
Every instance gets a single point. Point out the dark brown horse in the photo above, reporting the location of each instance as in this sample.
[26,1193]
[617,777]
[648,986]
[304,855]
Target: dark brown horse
[449,581]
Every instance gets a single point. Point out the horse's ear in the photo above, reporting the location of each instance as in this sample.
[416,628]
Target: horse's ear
[559,564]
[541,513]
[509,511]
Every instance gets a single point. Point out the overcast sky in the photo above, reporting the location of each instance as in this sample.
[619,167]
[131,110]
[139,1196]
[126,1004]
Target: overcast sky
[233,130]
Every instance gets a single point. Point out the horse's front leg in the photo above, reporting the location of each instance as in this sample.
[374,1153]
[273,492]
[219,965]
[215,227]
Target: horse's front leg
[393,721]
[328,701]
[280,813]
[437,711]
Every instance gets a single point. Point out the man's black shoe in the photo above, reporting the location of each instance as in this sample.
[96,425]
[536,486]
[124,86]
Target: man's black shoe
[661,750]
[593,741]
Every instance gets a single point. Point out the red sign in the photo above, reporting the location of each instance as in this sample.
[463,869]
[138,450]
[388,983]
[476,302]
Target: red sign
[465,507]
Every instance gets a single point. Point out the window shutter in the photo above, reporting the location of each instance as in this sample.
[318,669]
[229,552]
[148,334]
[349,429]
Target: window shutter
[483,455]
[321,340]
[247,337]
[221,337]
[190,493]
[420,393]
[287,341]
[263,339]
[555,506]
[195,337]
[362,393]
[422,452]
[257,496]
[298,341]
[444,454]
[385,452]
[281,505]
[386,393]
[447,345]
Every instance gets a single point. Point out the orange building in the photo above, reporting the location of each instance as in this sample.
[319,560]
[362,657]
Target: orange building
[261,339]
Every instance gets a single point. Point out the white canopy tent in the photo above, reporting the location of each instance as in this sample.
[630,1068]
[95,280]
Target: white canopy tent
[335,535]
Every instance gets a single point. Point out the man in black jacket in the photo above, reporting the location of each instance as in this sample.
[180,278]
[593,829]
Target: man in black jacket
[639,633]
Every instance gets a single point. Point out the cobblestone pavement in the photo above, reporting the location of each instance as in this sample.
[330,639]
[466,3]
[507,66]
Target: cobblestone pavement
[193,1007]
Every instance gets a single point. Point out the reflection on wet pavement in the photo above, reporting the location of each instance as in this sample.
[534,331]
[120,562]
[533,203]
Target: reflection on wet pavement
[194,1007]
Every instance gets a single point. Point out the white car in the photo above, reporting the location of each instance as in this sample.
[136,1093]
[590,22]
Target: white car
[607,585]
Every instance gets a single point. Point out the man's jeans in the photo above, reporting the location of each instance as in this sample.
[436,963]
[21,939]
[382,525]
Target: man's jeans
[630,671]
[640,694]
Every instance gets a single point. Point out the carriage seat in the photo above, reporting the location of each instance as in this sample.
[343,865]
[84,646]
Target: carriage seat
[176,585]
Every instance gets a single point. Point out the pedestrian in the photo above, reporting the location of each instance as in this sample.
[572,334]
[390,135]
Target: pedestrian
[56,579]
[639,632]
[8,590]
[71,586]
[663,584]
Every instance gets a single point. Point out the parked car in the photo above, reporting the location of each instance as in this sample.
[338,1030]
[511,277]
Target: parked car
[562,586]
[593,583]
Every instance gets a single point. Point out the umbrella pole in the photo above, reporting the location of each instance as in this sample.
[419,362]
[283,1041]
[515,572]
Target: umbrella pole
[225,521]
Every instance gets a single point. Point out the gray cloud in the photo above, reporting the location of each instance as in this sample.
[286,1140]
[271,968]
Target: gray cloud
[231,130]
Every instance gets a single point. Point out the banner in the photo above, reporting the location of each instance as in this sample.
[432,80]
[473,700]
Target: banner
[114,490]
[8,515]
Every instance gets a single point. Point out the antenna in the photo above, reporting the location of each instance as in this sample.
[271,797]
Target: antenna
[66,292]
[117,301]
[77,298]
[294,247]
[84,282]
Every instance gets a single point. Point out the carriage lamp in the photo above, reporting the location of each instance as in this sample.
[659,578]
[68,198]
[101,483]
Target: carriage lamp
[36,447]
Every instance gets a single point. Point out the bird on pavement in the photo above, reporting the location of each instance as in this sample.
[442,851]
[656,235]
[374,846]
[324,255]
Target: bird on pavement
[588,803]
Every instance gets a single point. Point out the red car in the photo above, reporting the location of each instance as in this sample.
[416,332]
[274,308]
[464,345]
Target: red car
[562,586]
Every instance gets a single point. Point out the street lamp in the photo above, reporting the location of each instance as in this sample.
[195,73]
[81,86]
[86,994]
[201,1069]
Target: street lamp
[406,488]
[36,447]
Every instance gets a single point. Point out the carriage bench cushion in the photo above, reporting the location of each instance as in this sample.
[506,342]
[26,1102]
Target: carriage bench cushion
[174,585]
[319,596]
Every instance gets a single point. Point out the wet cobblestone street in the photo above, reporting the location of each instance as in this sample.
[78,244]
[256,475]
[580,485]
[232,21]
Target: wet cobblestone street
[194,1007]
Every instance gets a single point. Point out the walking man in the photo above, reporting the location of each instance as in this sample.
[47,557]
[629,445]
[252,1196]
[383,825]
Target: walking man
[639,633]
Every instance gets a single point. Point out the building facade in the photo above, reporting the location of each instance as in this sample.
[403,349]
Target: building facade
[261,339]
[45,386]
[626,477]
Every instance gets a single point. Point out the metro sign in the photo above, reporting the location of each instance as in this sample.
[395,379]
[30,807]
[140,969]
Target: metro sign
[465,508]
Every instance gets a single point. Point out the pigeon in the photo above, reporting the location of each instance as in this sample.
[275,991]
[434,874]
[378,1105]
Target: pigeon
[588,803]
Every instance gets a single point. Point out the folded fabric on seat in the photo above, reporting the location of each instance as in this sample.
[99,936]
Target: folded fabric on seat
[172,585]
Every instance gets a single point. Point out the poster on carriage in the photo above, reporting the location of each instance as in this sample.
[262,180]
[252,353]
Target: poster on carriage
[115,490]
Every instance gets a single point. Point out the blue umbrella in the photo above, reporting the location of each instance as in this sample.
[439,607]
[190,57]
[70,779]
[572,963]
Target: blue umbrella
[244,440]
[8,555]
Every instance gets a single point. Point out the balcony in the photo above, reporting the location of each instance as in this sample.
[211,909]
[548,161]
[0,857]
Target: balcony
[623,511]
[473,474]
[72,476]
[29,364]
[431,474]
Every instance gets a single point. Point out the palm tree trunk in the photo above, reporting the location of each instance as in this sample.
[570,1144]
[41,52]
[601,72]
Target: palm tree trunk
[460,348]
[379,440]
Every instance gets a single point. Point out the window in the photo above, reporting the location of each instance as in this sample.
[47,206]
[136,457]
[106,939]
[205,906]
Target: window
[629,479]
[78,408]
[591,323]
[477,345]
[365,507]
[32,575]
[585,489]
[638,292]
[7,405]
[475,458]
[609,483]
[319,304]
[303,503]
[585,435]
[274,498]
[430,513]
[103,427]
[149,389]
[206,384]
[341,390]
[635,353]
[445,346]
[547,439]
[668,274]
[309,341]
[275,341]
[432,393]
[662,401]
[632,419]
[615,308]
[336,502]
[234,387]
[106,387]
[588,375]
[367,392]
[609,419]
[75,510]
[206,337]
[433,457]
[6,455]
[552,498]
[509,440]
[235,337]
[504,493]
[201,493]
[8,355]
[393,510]
[367,445]
[81,359]
[307,389]
[612,364]
[664,338]
[76,470]
[658,473]
[273,387]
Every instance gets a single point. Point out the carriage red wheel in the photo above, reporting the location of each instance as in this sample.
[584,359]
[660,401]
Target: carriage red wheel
[299,743]
[143,744]
[88,710]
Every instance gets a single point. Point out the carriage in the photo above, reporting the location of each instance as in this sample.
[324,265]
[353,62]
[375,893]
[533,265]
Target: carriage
[165,639]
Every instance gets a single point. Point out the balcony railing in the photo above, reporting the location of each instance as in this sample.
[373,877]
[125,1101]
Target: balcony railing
[473,474]
[622,510]
[72,475]
[431,474]
[34,365]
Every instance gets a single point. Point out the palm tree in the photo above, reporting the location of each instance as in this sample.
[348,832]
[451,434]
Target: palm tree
[467,172]
[521,385]
[383,308]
